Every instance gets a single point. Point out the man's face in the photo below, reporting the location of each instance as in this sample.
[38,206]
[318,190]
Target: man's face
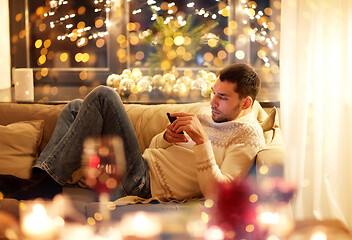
[225,104]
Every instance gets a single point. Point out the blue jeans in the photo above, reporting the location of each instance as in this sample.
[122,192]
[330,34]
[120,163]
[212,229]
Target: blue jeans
[100,113]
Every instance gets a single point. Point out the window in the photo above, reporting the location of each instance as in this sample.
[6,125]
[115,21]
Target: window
[147,49]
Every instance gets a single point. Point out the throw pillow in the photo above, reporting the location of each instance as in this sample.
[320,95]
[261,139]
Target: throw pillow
[19,147]
[271,121]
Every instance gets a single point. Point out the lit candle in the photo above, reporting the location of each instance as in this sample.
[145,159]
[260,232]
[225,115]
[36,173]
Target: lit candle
[75,231]
[278,222]
[38,225]
[140,225]
[318,235]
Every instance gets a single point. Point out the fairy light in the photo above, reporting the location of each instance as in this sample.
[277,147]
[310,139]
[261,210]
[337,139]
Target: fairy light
[168,19]
[136,11]
[260,33]
[154,16]
[190,5]
[171,11]
[181,21]
[78,34]
[201,12]
[151,2]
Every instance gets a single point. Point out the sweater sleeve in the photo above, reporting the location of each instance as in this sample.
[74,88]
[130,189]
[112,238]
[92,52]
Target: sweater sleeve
[159,142]
[237,162]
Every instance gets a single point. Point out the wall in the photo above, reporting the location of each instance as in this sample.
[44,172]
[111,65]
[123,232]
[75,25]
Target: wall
[5,60]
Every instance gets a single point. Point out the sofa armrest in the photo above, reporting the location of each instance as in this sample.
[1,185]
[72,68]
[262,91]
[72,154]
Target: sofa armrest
[269,162]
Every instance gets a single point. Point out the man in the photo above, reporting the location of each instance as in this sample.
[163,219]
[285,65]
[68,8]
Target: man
[216,147]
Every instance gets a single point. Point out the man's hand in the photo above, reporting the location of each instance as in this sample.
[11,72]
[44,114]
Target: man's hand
[173,137]
[188,123]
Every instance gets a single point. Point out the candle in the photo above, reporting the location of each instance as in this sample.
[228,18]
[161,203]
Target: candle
[319,235]
[36,224]
[75,231]
[23,80]
[141,225]
[276,219]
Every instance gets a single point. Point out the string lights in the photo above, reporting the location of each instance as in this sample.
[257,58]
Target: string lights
[256,20]
[259,29]
[100,5]
[196,34]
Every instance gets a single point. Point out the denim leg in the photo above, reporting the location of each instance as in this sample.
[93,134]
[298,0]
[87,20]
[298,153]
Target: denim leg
[101,113]
[63,124]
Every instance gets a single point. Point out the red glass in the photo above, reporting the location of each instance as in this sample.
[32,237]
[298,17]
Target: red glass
[103,162]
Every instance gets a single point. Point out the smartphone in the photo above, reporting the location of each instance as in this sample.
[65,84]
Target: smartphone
[172,119]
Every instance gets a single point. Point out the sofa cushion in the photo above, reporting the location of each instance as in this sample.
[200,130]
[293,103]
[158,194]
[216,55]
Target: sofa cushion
[19,147]
[272,121]
[149,120]
[15,112]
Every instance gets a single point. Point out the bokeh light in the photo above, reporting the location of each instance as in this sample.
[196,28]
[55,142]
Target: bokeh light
[99,23]
[208,57]
[100,43]
[240,54]
[85,57]
[83,75]
[81,10]
[47,43]
[44,72]
[38,43]
[18,17]
[63,57]
[43,51]
[22,34]
[179,40]
[41,60]
[121,39]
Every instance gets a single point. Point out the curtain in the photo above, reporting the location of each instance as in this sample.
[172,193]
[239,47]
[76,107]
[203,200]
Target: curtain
[316,106]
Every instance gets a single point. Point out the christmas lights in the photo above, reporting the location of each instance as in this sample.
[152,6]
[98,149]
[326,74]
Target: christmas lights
[259,29]
[179,49]
[54,7]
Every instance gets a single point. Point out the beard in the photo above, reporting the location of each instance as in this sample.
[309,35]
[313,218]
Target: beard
[220,117]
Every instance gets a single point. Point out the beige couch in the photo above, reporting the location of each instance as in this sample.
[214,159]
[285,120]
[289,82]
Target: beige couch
[148,120]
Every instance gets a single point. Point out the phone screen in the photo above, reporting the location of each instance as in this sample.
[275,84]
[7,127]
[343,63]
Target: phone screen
[172,119]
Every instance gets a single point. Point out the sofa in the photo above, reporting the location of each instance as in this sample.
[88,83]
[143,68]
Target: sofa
[32,124]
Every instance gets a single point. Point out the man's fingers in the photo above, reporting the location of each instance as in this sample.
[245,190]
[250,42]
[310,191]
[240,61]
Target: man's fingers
[175,137]
[180,114]
[180,125]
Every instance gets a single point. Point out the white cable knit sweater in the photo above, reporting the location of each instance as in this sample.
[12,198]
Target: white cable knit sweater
[185,170]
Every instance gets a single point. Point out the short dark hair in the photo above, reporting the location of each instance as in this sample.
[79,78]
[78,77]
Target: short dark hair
[247,81]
